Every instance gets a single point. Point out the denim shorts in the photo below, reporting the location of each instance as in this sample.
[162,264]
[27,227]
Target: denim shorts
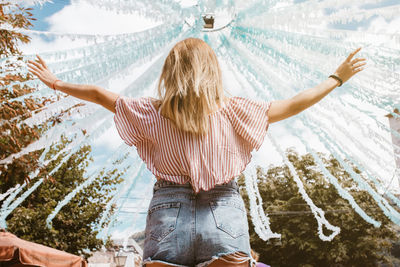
[188,229]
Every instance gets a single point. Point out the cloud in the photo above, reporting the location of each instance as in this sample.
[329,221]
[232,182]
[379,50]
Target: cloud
[32,2]
[39,45]
[381,25]
[84,18]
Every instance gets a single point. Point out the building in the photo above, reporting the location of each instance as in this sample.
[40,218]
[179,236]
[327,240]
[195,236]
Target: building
[121,255]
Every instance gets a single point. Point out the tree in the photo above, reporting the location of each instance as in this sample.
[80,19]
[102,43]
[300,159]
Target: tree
[13,16]
[358,244]
[13,135]
[73,226]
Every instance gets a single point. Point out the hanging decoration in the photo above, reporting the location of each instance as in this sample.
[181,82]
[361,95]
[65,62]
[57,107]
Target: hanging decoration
[274,49]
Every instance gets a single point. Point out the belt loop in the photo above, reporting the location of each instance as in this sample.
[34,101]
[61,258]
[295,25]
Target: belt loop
[237,186]
[155,187]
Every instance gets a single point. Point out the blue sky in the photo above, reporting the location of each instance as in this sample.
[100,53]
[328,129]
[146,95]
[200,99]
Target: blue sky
[47,9]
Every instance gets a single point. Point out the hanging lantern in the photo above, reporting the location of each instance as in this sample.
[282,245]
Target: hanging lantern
[209,21]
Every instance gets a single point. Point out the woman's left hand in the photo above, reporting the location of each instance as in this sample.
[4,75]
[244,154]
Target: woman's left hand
[40,69]
[350,66]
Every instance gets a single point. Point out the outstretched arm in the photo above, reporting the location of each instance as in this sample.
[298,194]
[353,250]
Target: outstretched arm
[92,93]
[282,109]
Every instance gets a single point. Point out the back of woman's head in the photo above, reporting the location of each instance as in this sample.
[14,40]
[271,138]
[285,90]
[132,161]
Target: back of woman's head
[190,86]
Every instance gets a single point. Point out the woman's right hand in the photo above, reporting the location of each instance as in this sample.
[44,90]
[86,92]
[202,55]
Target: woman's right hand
[350,66]
[40,69]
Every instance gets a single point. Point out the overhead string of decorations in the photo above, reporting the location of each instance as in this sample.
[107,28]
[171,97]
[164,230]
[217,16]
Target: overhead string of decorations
[274,49]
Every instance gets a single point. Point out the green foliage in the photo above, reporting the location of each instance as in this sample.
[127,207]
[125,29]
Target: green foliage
[72,229]
[13,16]
[358,244]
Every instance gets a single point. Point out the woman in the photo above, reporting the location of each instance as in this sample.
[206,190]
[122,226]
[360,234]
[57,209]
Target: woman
[196,141]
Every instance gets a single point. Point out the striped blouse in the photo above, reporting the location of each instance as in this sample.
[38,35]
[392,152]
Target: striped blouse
[237,128]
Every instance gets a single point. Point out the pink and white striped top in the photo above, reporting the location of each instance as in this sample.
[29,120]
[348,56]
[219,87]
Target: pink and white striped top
[205,161]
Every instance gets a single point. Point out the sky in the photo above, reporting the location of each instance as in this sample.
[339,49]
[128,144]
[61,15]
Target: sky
[79,17]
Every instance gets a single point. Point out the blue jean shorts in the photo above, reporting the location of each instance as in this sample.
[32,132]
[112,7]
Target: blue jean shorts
[188,229]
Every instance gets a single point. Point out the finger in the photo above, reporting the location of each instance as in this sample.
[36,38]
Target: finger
[352,54]
[358,70]
[34,72]
[357,60]
[42,61]
[359,65]
[36,64]
[34,68]
[348,59]
[39,64]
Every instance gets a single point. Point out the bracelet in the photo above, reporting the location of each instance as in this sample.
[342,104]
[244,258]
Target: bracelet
[54,84]
[337,79]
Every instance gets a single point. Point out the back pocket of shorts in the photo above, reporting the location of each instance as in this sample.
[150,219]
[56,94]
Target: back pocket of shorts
[230,217]
[162,219]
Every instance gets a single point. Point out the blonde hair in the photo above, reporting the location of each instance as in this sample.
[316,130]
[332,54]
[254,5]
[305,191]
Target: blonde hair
[190,85]
[255,255]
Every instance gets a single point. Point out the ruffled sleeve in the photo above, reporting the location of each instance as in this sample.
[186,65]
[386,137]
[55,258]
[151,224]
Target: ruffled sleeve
[132,118]
[249,118]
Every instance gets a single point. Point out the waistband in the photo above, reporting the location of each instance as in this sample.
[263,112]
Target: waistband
[164,183]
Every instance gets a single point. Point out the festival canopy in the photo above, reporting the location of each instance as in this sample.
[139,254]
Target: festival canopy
[270,50]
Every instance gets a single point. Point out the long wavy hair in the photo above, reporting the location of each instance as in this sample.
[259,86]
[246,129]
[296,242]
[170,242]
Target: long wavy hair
[190,85]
